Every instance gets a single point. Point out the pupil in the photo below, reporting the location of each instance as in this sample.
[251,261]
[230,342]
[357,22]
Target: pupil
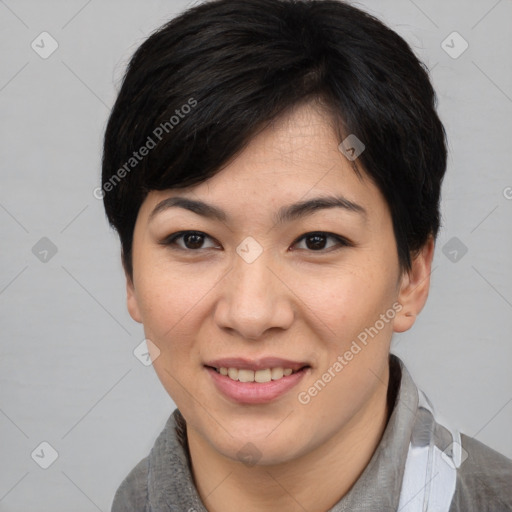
[319,244]
[195,244]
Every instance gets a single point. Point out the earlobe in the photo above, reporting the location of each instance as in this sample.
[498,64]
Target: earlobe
[131,301]
[414,288]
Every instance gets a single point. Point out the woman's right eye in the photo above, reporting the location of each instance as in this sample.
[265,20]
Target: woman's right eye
[191,240]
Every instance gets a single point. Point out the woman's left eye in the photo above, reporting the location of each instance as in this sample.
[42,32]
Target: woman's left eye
[314,241]
[317,241]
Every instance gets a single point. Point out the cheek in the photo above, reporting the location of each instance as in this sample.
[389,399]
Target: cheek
[169,297]
[172,301]
[356,344]
[346,300]
[170,308]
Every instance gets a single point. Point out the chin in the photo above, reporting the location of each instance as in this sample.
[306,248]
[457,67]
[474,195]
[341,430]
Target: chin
[263,449]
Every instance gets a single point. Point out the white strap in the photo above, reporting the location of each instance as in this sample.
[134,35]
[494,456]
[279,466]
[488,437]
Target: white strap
[430,473]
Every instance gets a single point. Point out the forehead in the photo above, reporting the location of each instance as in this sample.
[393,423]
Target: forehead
[294,159]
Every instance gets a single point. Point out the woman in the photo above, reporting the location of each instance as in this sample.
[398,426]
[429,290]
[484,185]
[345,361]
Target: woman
[273,169]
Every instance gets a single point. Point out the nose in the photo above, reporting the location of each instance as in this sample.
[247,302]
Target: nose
[254,299]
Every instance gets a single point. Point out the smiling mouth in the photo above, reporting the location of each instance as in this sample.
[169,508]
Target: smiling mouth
[258,376]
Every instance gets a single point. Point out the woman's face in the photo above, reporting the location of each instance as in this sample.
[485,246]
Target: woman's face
[255,288]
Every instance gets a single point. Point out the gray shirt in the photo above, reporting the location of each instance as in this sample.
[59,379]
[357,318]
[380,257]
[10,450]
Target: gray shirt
[163,480]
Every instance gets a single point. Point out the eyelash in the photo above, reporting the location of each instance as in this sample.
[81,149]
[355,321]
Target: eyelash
[170,241]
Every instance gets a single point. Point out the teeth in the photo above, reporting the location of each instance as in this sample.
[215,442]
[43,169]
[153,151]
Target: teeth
[245,375]
[265,375]
[277,373]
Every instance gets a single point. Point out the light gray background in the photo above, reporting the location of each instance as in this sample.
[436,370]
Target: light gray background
[67,372]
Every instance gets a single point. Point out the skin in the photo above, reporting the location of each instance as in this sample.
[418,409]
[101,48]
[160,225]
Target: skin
[294,301]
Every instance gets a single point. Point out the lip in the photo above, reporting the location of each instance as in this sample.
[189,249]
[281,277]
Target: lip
[256,364]
[253,392]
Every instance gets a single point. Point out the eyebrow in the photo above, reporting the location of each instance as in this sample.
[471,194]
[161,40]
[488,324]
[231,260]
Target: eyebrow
[285,214]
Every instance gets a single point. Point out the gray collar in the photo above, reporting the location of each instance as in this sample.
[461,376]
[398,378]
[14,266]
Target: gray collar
[378,487]
[171,485]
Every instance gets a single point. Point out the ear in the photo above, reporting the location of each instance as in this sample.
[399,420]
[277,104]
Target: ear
[131,299]
[414,287]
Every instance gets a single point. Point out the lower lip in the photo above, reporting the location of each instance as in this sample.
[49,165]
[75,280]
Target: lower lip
[255,392]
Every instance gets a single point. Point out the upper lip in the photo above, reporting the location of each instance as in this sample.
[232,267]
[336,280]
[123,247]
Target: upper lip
[256,364]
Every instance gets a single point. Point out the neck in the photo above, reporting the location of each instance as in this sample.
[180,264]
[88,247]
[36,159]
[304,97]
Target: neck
[313,482]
